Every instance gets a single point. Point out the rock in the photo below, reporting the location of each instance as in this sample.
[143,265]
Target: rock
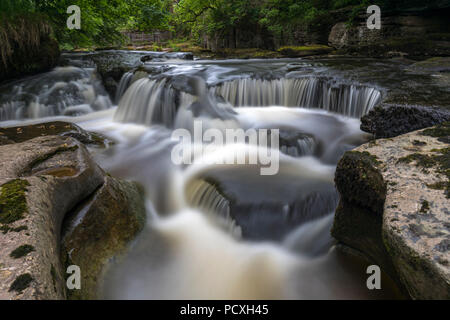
[41,181]
[400,35]
[304,51]
[65,129]
[163,56]
[236,202]
[99,230]
[394,209]
[436,64]
[391,120]
[339,36]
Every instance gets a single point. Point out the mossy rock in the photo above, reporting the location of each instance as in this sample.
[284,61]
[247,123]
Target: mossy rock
[56,128]
[115,215]
[303,51]
[13,202]
[359,181]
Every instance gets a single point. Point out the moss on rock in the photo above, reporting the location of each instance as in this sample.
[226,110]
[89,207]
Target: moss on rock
[21,251]
[302,51]
[13,203]
[359,181]
[21,283]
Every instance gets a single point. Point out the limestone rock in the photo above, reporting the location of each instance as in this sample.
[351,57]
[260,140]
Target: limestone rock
[45,177]
[42,180]
[394,208]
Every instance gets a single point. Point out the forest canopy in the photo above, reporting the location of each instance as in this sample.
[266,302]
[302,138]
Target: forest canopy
[102,20]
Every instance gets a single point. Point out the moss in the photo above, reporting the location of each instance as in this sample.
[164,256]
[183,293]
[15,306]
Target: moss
[54,276]
[440,160]
[422,160]
[5,229]
[21,283]
[360,182]
[425,206]
[13,203]
[442,132]
[21,251]
[298,51]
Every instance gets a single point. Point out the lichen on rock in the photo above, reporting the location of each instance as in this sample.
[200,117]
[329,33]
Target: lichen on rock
[408,235]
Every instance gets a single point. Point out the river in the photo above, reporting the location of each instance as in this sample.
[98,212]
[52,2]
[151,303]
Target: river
[219,231]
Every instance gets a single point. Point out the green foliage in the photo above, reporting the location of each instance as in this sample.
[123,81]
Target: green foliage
[102,20]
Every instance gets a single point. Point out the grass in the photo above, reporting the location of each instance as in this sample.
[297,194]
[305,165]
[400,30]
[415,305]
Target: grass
[23,32]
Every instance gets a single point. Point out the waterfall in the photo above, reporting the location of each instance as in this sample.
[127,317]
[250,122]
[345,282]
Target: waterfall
[123,85]
[67,91]
[151,101]
[349,100]
[156,101]
[205,196]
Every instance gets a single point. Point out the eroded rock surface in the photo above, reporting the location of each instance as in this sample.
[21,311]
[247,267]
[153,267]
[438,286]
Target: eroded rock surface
[394,208]
[41,180]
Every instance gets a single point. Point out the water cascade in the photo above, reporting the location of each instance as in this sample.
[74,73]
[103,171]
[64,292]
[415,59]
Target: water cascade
[157,101]
[216,230]
[67,91]
[349,100]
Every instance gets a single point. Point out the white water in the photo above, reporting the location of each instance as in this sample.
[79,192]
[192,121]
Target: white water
[63,91]
[157,101]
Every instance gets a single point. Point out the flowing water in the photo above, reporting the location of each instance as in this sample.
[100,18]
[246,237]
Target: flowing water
[218,231]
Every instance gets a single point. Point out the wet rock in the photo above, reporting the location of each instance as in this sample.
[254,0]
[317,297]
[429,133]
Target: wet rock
[34,201]
[394,209]
[99,230]
[414,35]
[163,56]
[391,120]
[41,181]
[236,199]
[57,128]
[436,64]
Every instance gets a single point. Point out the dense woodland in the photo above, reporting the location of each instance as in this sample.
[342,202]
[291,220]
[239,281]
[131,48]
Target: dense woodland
[102,20]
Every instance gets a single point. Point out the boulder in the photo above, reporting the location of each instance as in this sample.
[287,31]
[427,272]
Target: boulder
[391,120]
[41,181]
[394,209]
[414,35]
[65,129]
[99,230]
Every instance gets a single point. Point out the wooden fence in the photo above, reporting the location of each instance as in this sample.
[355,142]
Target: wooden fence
[146,38]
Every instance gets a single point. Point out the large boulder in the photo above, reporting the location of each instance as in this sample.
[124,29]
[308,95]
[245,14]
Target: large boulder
[417,34]
[391,120]
[99,230]
[394,209]
[56,128]
[41,181]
